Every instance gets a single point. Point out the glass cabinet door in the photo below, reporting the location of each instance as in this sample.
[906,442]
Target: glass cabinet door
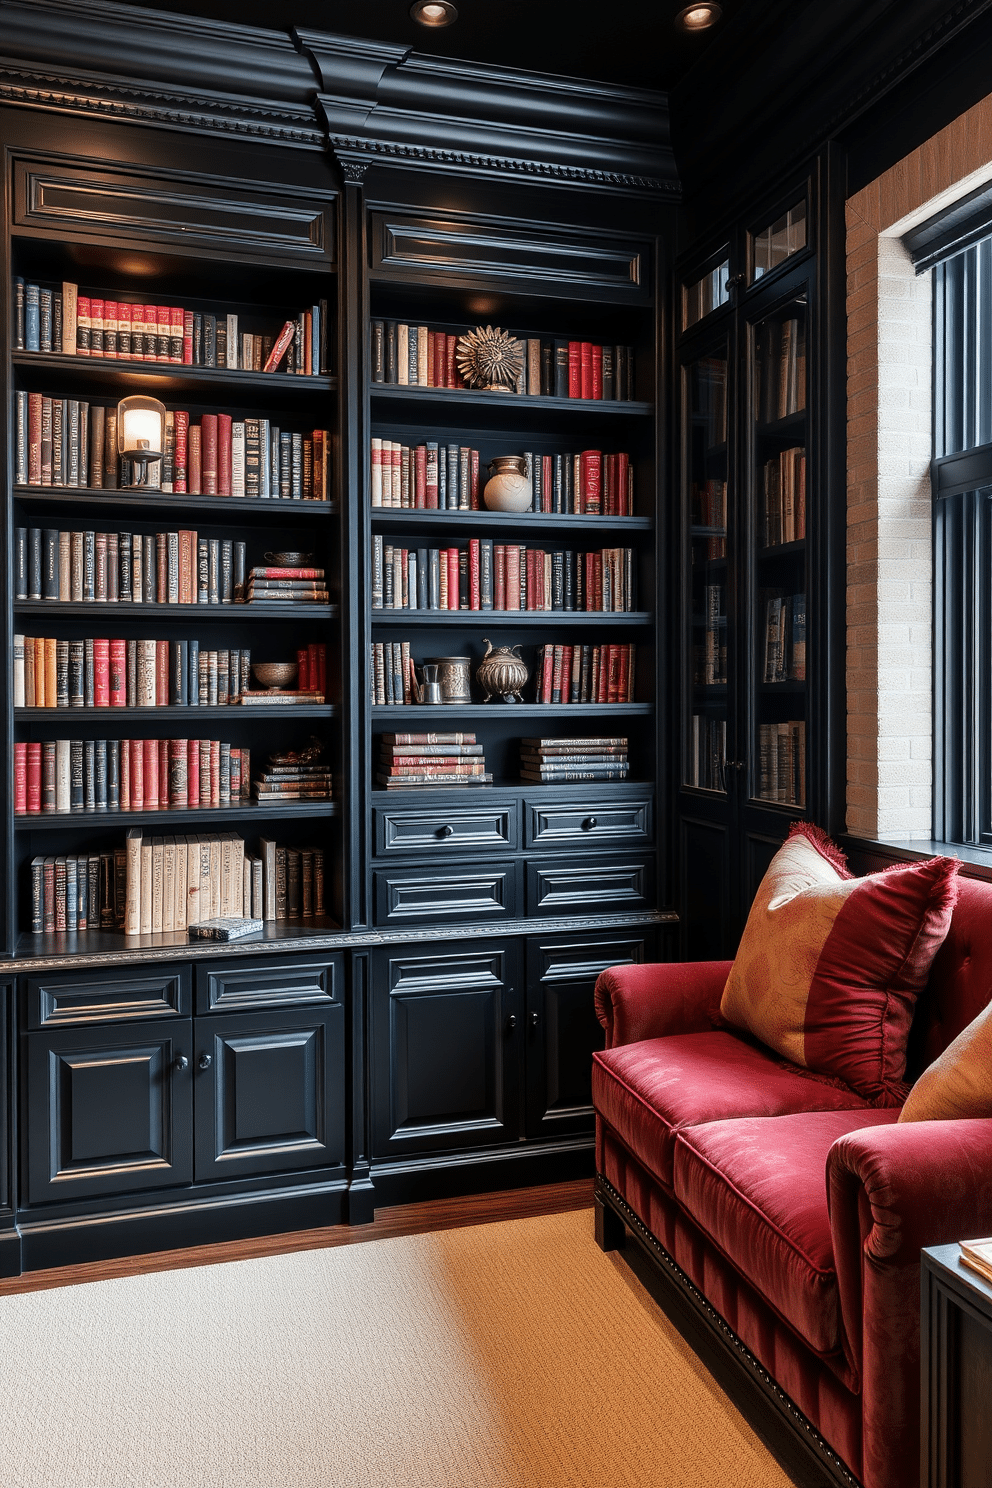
[705,495]
[776,492]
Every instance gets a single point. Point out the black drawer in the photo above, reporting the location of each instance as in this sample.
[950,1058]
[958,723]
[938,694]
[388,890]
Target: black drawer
[108,996]
[445,830]
[467,892]
[574,886]
[589,822]
[267,982]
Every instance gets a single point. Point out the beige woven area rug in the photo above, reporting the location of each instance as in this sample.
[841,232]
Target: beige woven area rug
[506,1355]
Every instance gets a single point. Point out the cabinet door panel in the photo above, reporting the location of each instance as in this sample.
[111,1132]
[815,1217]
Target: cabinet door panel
[108,1111]
[447,1048]
[271,1097]
[562,1027]
[704,870]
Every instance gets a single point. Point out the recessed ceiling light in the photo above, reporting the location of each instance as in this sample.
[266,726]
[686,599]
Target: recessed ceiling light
[434,12]
[699,17]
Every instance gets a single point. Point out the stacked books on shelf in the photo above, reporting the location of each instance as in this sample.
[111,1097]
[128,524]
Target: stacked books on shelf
[436,760]
[784,647]
[708,752]
[422,356]
[783,511]
[710,657]
[439,477]
[709,511]
[80,775]
[68,442]
[781,369]
[562,760]
[782,762]
[57,318]
[489,575]
[295,775]
[113,673]
[585,674]
[127,567]
[292,585]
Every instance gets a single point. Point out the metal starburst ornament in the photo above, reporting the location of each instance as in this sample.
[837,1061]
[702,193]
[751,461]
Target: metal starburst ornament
[490,359]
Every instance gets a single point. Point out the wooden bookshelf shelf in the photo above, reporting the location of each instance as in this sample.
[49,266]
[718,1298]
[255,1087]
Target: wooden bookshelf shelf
[173,711]
[171,377]
[503,619]
[59,945]
[537,524]
[559,711]
[193,613]
[508,405]
[178,816]
[128,498]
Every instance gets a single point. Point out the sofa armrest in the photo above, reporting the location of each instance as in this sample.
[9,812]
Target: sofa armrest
[642,1002]
[892,1190]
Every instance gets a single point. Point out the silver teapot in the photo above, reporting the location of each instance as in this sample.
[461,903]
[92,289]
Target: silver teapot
[502,674]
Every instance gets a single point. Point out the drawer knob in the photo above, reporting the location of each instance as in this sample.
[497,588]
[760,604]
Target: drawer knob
[588,823]
[534,1020]
[180,1062]
[206,1060]
[511,1022]
[446,831]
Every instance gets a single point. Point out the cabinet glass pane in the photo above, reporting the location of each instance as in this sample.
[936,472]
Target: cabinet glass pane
[705,445]
[777,528]
[779,240]
[705,294]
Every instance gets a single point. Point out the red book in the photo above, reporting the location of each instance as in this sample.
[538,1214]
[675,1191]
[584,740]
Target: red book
[453,596]
[161,674]
[313,663]
[513,577]
[224,454]
[177,772]
[187,338]
[531,580]
[307,370]
[430,478]
[124,775]
[33,779]
[208,453]
[547,480]
[625,678]
[162,750]
[440,358]
[597,372]
[625,506]
[475,500]
[474,593]
[82,325]
[585,369]
[431,357]
[420,477]
[118,673]
[547,674]
[302,671]
[34,439]
[124,329]
[499,576]
[193,772]
[163,332]
[278,351]
[187,566]
[177,333]
[110,316]
[137,333]
[194,473]
[96,327]
[591,467]
[566,673]
[21,779]
[575,369]
[451,378]
[137,775]
[149,751]
[214,772]
[101,673]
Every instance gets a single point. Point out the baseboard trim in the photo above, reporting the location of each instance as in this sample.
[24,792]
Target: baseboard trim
[451,1175]
[801,1451]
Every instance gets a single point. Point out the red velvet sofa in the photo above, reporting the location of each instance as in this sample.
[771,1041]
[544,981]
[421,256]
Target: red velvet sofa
[795,1208]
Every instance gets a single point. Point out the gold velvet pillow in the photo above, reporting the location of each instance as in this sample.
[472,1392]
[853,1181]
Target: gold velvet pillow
[959,1083]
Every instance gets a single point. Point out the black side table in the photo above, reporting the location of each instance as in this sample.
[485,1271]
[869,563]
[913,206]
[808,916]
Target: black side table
[956,1372]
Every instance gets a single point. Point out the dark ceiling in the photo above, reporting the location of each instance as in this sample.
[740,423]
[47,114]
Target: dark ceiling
[633,41]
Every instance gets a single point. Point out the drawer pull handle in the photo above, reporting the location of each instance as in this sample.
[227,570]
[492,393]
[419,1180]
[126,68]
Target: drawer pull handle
[511,1022]
[206,1060]
[534,1020]
[447,831]
[180,1062]
[588,823]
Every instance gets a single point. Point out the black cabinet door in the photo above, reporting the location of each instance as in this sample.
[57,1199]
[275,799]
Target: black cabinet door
[269,1092]
[109,1109]
[447,1048]
[562,1027]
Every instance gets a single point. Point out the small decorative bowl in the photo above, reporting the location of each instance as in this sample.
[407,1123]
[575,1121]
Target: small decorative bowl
[275,673]
[289,560]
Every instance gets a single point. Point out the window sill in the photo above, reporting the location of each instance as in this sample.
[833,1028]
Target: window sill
[977,861]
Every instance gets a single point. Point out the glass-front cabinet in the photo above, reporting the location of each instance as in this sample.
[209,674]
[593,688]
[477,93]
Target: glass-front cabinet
[757,605]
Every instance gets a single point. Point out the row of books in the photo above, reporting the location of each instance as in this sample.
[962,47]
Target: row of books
[101,672]
[708,509]
[81,775]
[710,654]
[707,752]
[782,762]
[780,369]
[168,884]
[68,442]
[784,640]
[783,507]
[585,674]
[61,320]
[488,575]
[452,759]
[419,356]
[560,760]
[445,477]
[130,567]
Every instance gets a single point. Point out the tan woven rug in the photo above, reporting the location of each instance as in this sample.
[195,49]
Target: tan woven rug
[508,1355]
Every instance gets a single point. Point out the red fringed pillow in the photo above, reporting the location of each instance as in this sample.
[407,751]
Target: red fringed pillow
[830,966]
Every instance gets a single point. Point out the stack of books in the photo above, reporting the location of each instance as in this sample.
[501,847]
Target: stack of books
[431,759]
[287,586]
[554,760]
[297,775]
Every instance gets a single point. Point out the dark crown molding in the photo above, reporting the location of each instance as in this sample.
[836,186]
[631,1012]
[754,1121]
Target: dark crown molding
[367,100]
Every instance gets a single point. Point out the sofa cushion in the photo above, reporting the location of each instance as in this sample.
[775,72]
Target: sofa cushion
[829,966]
[647,1091]
[959,1083]
[757,1188]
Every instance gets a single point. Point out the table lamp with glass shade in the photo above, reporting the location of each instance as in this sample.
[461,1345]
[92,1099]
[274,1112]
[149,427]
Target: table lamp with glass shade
[140,425]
